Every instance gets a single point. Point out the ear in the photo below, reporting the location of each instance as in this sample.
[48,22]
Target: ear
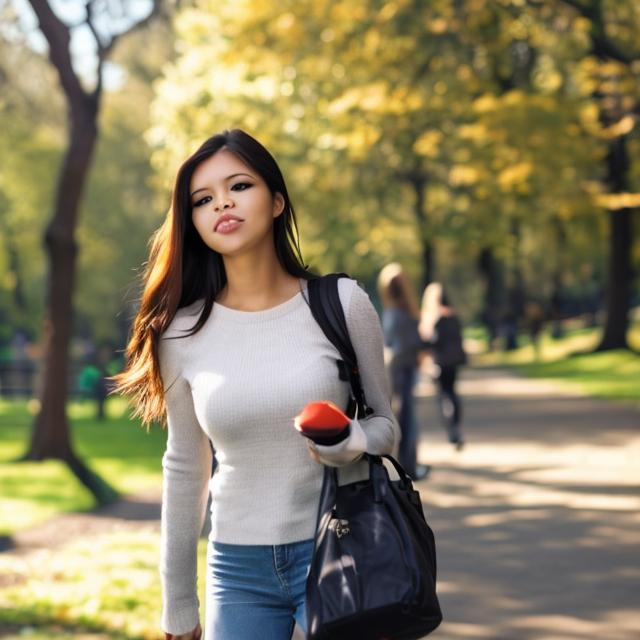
[278,204]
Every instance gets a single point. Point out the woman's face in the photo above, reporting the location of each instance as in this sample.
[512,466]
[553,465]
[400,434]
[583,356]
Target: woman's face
[231,205]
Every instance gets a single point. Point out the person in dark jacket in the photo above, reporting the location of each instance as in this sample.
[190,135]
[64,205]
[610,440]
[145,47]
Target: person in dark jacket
[400,318]
[441,331]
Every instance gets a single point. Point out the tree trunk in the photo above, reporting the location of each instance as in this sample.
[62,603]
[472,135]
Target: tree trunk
[490,271]
[620,271]
[619,278]
[428,260]
[428,252]
[51,435]
[19,299]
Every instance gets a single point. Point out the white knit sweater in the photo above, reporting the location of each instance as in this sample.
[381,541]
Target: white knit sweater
[239,382]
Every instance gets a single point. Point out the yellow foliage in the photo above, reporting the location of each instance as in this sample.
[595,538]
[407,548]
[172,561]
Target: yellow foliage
[515,174]
[622,127]
[462,203]
[387,12]
[611,68]
[374,97]
[437,25]
[372,41]
[615,201]
[581,24]
[485,103]
[515,97]
[367,97]
[361,139]
[329,140]
[588,114]
[428,144]
[464,72]
[440,87]
[477,131]
[463,175]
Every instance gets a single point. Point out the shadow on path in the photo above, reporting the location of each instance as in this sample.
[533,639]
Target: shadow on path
[128,514]
[536,520]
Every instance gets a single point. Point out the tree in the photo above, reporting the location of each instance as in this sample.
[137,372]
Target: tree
[31,118]
[50,436]
[613,36]
[411,130]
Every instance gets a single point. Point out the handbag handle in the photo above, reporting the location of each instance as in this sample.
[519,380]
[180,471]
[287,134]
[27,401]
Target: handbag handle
[377,474]
[405,478]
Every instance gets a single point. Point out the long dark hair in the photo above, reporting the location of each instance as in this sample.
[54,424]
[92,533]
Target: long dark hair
[182,269]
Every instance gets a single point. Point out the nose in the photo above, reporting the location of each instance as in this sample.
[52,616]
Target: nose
[222,204]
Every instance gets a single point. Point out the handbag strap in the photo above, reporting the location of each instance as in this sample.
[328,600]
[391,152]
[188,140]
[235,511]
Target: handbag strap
[378,476]
[326,308]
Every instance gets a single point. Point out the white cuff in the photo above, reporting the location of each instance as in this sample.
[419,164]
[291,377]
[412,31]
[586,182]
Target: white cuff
[349,450]
[179,621]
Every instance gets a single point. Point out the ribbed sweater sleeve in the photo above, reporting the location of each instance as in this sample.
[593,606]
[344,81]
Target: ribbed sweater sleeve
[378,433]
[186,468]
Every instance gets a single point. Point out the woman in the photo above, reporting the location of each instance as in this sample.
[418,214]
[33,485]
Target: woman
[225,342]
[440,329]
[400,318]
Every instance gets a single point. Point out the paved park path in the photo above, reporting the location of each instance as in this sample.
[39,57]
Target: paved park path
[537,520]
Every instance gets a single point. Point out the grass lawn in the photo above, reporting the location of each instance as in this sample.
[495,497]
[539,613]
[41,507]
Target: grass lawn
[107,587]
[612,374]
[119,449]
[97,588]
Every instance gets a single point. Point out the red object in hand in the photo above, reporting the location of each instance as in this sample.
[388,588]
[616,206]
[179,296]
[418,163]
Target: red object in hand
[321,419]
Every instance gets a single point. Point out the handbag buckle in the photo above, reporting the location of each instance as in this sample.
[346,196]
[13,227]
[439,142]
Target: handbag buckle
[341,527]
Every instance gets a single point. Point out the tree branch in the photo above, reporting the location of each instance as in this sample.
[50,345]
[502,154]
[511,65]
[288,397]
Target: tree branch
[100,46]
[602,46]
[105,48]
[58,37]
[587,12]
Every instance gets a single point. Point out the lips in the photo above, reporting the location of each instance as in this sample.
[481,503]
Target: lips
[226,218]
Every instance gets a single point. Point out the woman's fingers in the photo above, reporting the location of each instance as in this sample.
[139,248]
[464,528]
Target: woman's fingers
[196,634]
[312,451]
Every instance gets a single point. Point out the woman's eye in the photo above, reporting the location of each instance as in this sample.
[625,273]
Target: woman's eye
[202,201]
[240,186]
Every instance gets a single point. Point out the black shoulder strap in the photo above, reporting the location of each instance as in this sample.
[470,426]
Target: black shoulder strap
[326,308]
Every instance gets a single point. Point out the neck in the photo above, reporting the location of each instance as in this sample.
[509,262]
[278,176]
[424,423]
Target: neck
[256,282]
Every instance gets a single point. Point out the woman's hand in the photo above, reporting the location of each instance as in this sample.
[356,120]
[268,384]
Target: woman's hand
[313,452]
[196,634]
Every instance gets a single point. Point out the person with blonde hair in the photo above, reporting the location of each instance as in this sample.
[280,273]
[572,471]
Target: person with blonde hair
[440,329]
[400,319]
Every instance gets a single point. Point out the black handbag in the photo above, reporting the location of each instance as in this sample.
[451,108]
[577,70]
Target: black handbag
[373,572]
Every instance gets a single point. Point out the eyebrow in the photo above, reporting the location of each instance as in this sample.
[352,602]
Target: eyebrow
[227,178]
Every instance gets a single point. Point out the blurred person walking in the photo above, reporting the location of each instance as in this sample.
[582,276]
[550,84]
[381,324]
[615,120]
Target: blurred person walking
[92,384]
[400,318]
[535,316]
[441,331]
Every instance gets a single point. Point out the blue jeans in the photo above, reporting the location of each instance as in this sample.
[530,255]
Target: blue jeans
[256,592]
[403,381]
